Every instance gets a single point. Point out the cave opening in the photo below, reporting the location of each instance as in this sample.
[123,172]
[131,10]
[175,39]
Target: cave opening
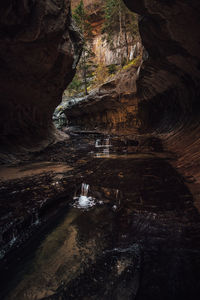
[102,202]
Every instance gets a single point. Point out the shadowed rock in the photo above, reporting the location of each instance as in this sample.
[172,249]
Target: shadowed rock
[169,82]
[39,49]
[112,106]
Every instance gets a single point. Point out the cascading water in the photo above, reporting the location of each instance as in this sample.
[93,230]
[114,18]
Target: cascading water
[84,201]
[13,240]
[97,143]
[104,145]
[84,189]
[118,202]
[138,71]
[37,220]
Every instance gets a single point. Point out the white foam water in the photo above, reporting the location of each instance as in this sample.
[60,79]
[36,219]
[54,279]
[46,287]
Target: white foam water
[105,147]
[83,201]
[37,220]
[13,240]
[103,143]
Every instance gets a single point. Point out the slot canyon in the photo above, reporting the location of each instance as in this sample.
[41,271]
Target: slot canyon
[100,149]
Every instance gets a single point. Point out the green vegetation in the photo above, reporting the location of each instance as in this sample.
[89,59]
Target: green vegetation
[100,74]
[75,86]
[118,18]
[135,62]
[112,69]
[82,20]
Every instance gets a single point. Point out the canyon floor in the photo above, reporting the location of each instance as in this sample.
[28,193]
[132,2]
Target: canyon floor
[99,217]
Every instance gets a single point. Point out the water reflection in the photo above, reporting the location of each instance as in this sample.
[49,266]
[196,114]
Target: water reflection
[142,243]
[61,257]
[103,146]
[28,170]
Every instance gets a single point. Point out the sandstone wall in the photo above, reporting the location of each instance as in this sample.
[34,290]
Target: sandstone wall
[104,53]
[169,83]
[111,107]
[39,49]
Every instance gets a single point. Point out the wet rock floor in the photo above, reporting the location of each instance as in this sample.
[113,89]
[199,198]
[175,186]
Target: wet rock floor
[139,240]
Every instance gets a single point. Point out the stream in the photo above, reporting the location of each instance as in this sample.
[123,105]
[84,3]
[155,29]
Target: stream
[130,231]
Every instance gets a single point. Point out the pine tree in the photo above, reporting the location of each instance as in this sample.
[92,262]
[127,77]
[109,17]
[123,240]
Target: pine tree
[118,18]
[81,18]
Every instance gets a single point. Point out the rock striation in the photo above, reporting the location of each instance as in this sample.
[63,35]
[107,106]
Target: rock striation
[106,53]
[111,107]
[169,82]
[168,87]
[39,49]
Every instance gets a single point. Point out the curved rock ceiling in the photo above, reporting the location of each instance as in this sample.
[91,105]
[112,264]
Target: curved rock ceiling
[38,55]
[169,82]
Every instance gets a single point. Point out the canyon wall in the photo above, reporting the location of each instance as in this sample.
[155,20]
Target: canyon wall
[169,82]
[118,53]
[111,107]
[105,53]
[168,88]
[39,49]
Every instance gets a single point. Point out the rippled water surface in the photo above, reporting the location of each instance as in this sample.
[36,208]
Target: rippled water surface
[139,239]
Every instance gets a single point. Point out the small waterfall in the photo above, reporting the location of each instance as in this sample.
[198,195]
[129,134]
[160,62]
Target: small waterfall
[35,217]
[117,193]
[117,197]
[103,144]
[84,189]
[105,147]
[37,220]
[138,71]
[13,240]
[2,254]
[97,143]
[84,201]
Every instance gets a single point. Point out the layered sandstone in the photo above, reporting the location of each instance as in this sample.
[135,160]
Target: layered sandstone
[110,107]
[168,87]
[39,49]
[170,78]
[169,83]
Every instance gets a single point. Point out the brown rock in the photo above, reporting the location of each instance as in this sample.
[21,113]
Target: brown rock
[39,49]
[169,83]
[110,107]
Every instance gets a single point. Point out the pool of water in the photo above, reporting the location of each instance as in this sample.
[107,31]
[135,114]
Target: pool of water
[138,240]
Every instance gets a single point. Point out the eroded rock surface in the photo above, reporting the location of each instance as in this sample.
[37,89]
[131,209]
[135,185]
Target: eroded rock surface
[39,49]
[139,240]
[105,53]
[111,107]
[148,219]
[169,83]
[168,87]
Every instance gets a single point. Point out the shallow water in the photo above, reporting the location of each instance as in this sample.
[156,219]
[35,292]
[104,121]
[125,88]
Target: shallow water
[8,172]
[139,240]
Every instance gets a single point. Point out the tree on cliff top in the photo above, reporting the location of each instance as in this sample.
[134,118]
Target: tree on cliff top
[82,20]
[118,18]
